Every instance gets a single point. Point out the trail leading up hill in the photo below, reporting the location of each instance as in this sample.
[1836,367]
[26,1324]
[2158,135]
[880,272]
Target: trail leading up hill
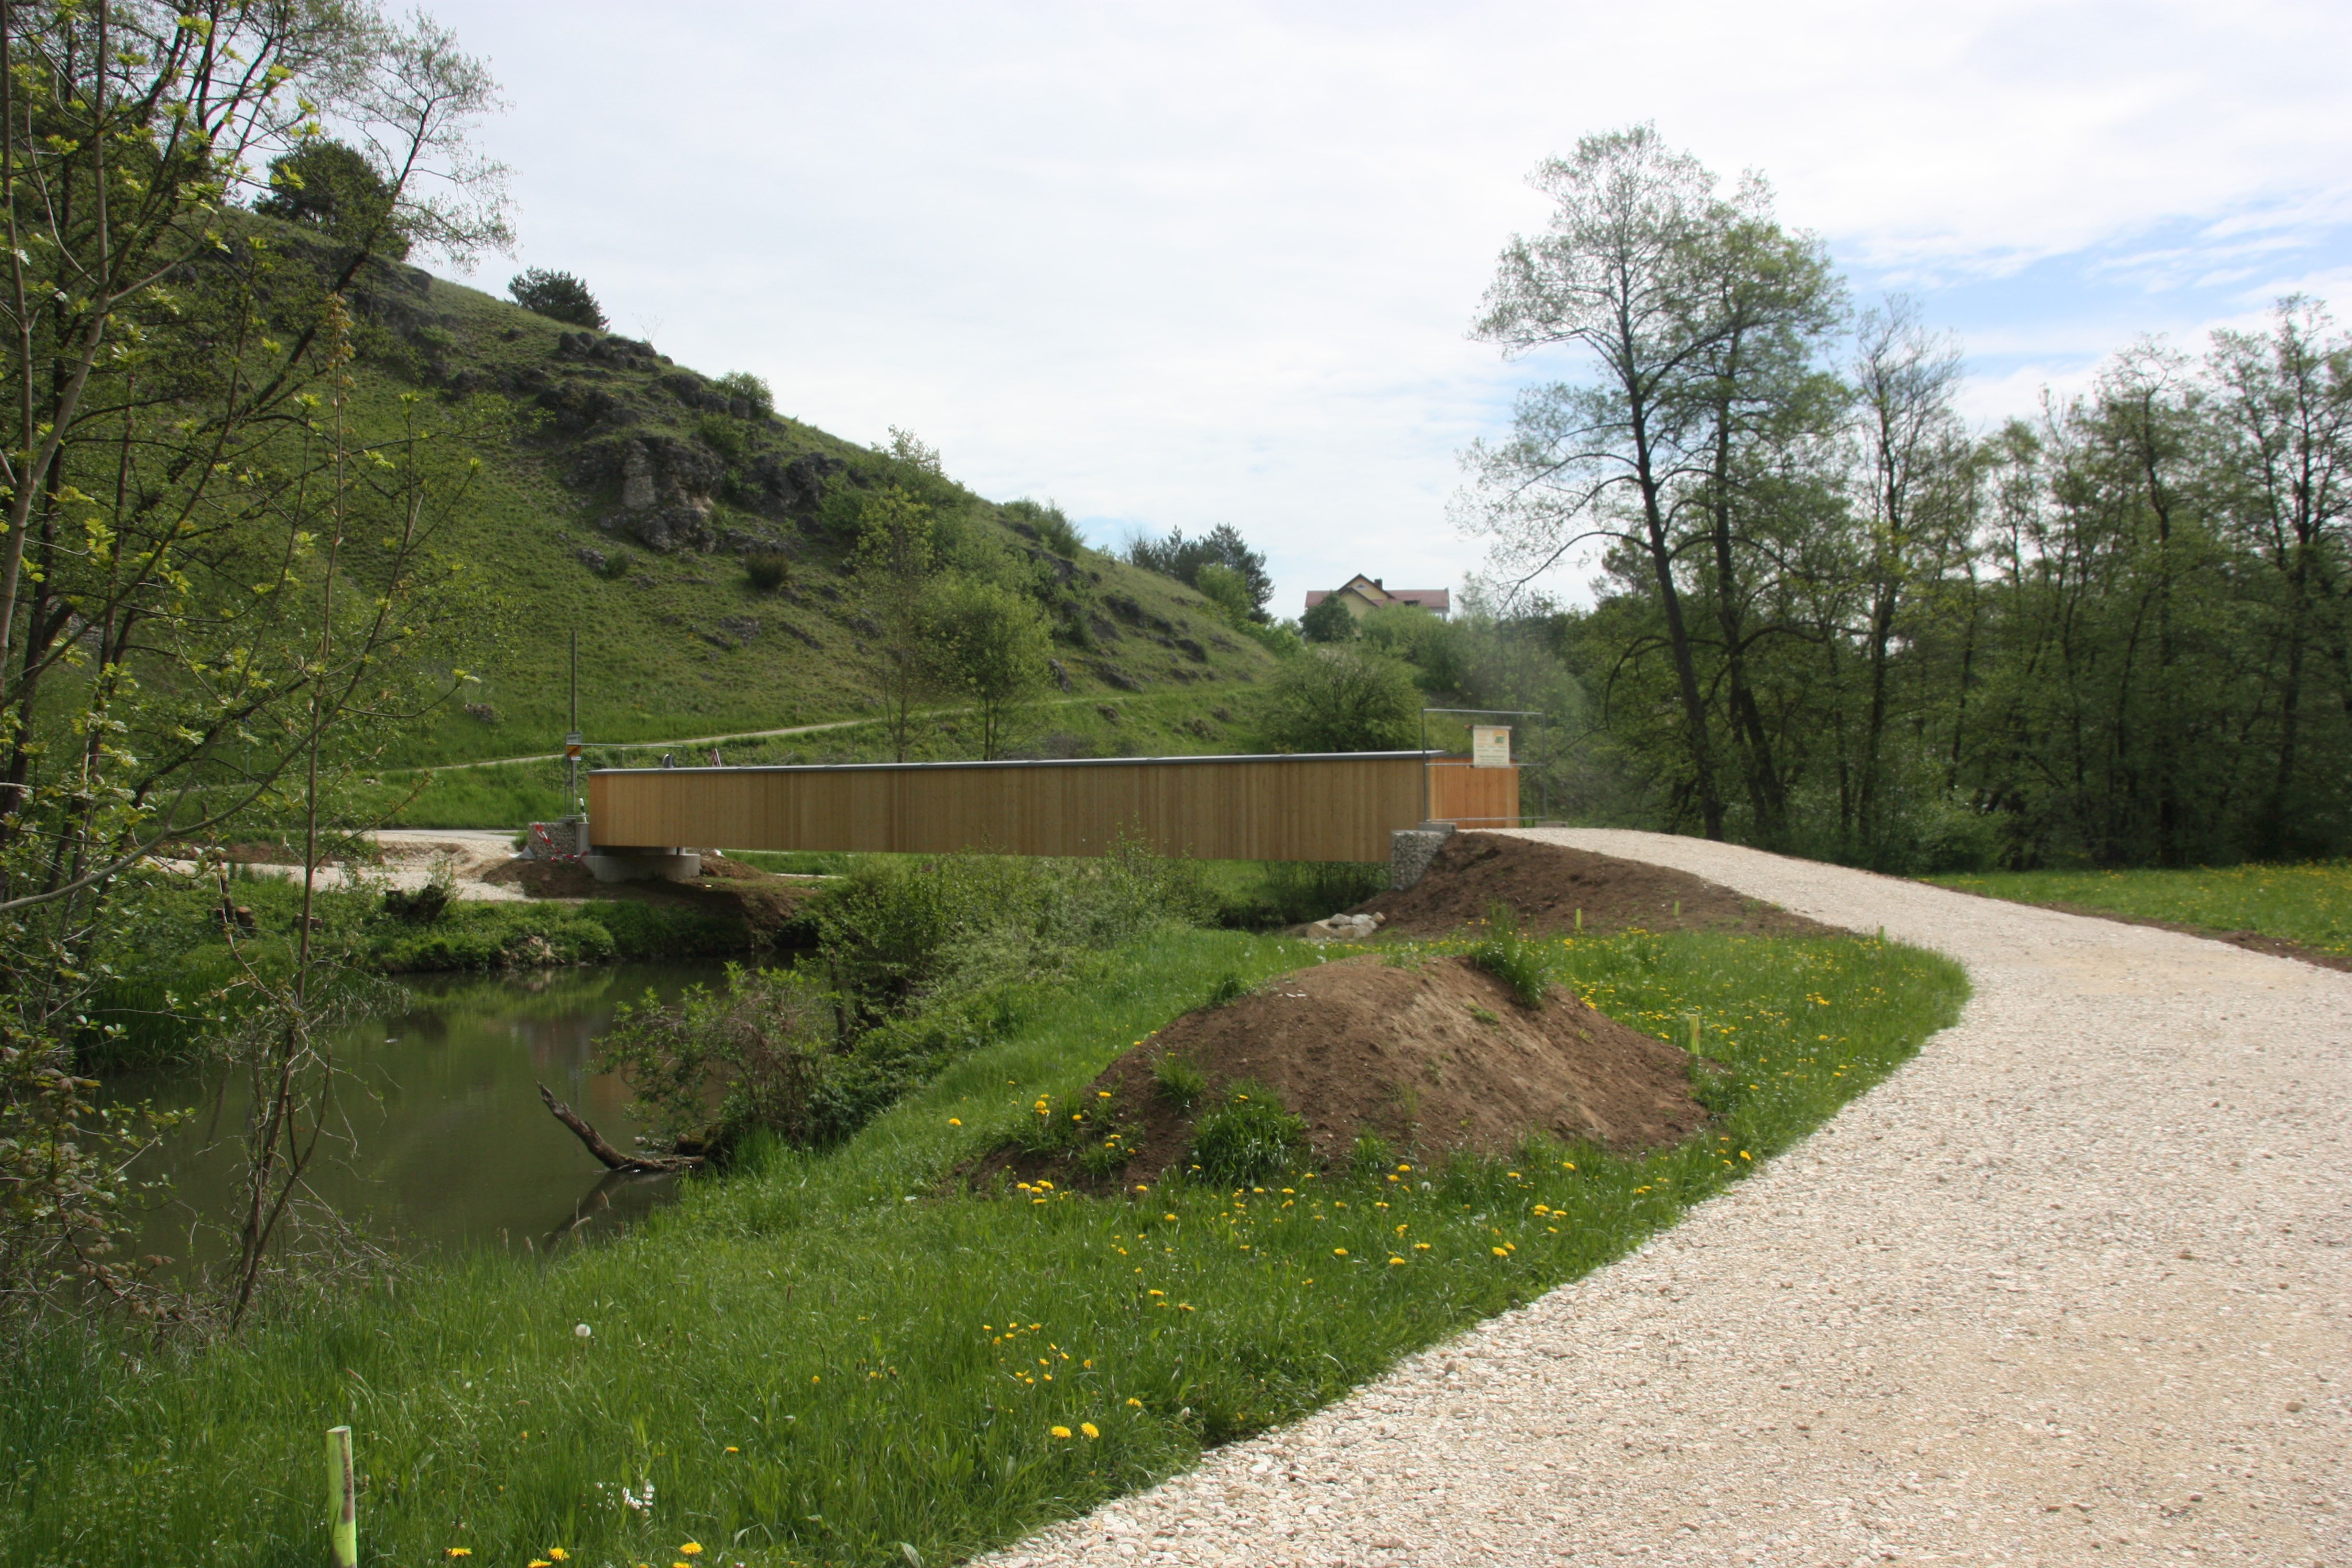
[2071,1287]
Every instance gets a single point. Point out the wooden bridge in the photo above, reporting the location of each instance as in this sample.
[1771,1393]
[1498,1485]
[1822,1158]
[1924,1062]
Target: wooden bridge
[1331,807]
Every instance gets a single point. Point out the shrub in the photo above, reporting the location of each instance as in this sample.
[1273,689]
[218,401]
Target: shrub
[722,1064]
[1340,698]
[1229,987]
[1179,1080]
[1047,524]
[427,904]
[1369,1154]
[1226,590]
[1251,1136]
[558,296]
[751,388]
[1289,892]
[767,570]
[895,933]
[1513,957]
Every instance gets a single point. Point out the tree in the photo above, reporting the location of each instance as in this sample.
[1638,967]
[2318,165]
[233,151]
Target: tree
[1772,299]
[988,645]
[212,588]
[558,296]
[1328,621]
[1340,698]
[331,186]
[1223,546]
[2284,402]
[895,555]
[1619,275]
[1913,475]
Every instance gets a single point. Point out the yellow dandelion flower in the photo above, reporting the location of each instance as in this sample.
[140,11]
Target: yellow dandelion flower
[733,1450]
[1498,1252]
[1061,1431]
[955,1121]
[1090,1429]
[1396,1259]
[540,1563]
[557,1554]
[459,1552]
[1137,1403]
[1420,1246]
[1338,1252]
[691,1549]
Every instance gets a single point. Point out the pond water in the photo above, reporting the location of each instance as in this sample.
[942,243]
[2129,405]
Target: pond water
[440,1138]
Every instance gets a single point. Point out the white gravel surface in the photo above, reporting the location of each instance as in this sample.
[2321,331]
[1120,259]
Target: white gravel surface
[2071,1287]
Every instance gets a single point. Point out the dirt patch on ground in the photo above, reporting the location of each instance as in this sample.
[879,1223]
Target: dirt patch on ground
[1434,1056]
[1546,884]
[773,909]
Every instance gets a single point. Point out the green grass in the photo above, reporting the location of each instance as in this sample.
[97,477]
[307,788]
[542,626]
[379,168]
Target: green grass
[508,795]
[2310,903]
[824,1357]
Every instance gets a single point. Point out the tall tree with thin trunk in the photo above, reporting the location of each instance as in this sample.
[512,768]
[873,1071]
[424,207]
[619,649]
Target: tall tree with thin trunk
[1619,274]
[1911,489]
[2285,404]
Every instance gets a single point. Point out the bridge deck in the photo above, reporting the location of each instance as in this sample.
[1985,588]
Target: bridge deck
[1338,807]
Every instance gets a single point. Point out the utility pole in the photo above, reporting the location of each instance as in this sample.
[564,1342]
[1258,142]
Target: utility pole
[571,736]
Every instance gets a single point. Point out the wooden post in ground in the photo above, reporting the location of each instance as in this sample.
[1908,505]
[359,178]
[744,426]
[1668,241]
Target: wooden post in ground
[343,1500]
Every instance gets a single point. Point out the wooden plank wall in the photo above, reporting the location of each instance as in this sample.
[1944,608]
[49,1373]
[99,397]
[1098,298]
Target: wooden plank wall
[1473,797]
[1320,808]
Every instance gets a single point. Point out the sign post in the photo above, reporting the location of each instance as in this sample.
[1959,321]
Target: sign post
[1490,746]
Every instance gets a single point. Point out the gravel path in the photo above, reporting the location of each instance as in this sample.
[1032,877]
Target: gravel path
[2073,1287]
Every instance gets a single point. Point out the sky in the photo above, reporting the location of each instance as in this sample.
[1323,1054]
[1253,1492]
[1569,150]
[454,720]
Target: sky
[1171,265]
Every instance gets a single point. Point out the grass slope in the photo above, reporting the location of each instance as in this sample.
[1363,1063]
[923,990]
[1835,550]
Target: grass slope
[823,1357]
[2310,905]
[1192,721]
[675,640]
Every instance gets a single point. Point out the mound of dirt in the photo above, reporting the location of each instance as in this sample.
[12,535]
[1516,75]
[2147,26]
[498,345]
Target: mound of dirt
[1546,884]
[771,907]
[1433,1057]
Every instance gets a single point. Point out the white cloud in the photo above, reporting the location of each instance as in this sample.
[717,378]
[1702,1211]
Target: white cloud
[1178,265]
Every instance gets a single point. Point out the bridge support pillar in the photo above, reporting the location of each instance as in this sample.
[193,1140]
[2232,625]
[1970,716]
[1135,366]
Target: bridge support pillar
[644,865]
[1412,849]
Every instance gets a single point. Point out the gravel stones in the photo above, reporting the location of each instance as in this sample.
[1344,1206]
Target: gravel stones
[2071,1287]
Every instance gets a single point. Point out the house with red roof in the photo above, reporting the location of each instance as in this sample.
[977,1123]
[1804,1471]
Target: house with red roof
[1362,595]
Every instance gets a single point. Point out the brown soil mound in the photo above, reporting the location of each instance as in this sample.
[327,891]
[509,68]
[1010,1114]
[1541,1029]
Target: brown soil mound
[771,907]
[1435,1056]
[1546,884]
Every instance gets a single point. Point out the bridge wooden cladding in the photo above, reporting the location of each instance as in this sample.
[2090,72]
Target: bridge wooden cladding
[1336,807]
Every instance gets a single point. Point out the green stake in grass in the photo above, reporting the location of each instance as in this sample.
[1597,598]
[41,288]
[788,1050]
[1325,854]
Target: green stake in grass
[1580,920]
[343,1500]
[1694,1017]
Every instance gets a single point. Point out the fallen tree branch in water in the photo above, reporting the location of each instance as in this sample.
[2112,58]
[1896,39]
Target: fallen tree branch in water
[611,1157]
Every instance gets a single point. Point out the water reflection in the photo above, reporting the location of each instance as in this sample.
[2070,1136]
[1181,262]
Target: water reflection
[442,1139]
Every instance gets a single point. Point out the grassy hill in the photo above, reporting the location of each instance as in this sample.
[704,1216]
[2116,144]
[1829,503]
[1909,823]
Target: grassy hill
[627,501]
